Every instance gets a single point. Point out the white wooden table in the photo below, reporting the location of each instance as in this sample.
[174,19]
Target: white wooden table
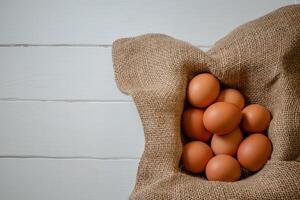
[66,132]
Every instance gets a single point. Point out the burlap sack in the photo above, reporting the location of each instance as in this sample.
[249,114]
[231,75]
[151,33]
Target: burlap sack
[260,58]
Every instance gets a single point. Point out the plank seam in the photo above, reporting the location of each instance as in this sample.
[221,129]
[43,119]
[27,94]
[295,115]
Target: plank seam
[57,45]
[73,45]
[66,100]
[67,157]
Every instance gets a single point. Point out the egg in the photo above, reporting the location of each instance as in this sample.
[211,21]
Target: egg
[254,152]
[203,90]
[255,118]
[232,96]
[223,168]
[221,118]
[195,156]
[227,144]
[192,124]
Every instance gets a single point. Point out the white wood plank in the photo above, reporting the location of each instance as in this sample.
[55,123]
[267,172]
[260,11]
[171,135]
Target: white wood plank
[64,129]
[58,73]
[36,179]
[101,22]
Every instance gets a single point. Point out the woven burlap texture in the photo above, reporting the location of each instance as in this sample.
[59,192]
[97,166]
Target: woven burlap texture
[260,58]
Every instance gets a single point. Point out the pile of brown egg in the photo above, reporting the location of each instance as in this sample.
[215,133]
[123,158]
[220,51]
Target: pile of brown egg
[224,135]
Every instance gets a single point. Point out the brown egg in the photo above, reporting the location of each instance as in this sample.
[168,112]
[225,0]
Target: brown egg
[192,124]
[203,90]
[255,118]
[254,152]
[227,144]
[195,156]
[223,168]
[221,118]
[232,96]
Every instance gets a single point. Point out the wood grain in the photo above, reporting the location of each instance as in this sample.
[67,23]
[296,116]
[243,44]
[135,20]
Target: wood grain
[48,179]
[62,129]
[102,21]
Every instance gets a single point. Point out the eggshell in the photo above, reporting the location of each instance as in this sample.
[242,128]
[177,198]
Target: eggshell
[232,96]
[203,90]
[254,152]
[223,168]
[195,156]
[221,118]
[192,124]
[255,118]
[227,144]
